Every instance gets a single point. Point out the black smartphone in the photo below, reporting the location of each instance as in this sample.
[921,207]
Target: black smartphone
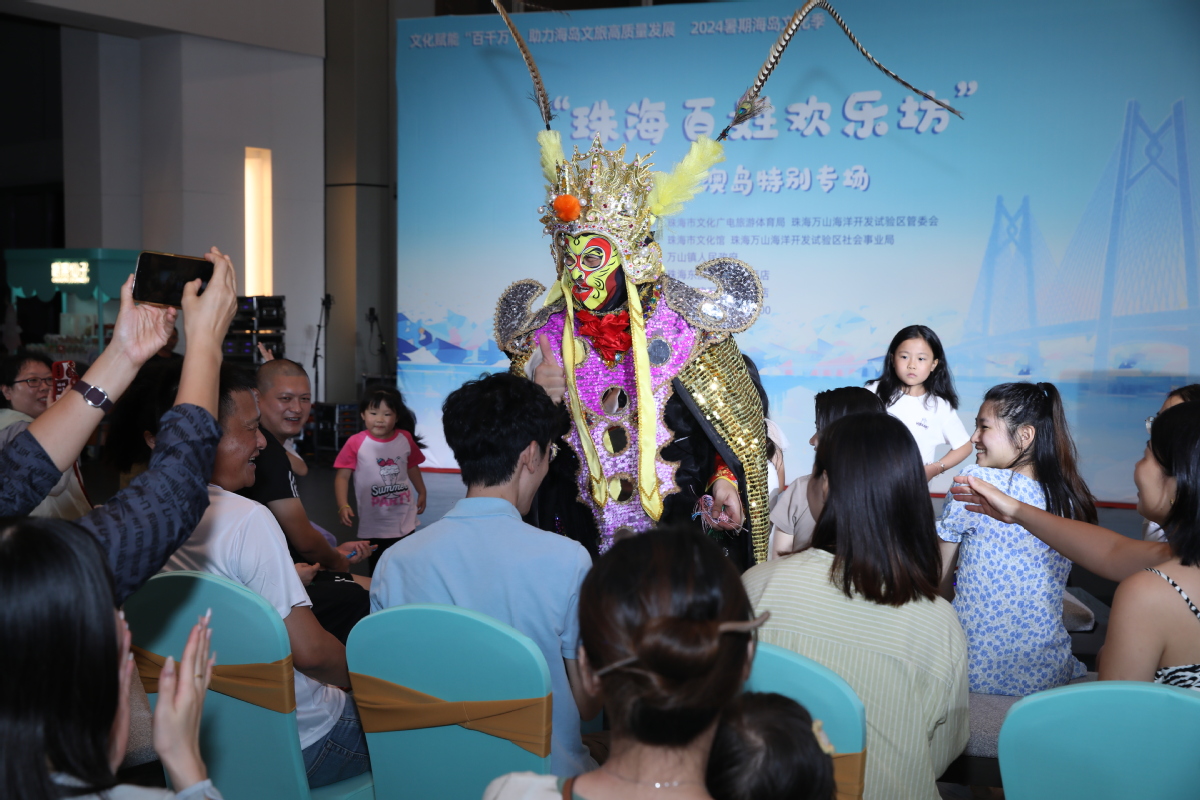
[160,277]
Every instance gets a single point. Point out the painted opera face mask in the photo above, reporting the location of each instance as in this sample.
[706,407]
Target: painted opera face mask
[594,264]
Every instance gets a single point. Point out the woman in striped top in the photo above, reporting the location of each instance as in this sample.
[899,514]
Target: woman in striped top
[863,602]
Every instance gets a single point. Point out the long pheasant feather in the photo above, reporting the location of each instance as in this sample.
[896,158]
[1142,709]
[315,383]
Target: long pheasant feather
[751,104]
[539,89]
[838,19]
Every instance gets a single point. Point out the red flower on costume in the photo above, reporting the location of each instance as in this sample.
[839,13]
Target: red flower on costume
[609,334]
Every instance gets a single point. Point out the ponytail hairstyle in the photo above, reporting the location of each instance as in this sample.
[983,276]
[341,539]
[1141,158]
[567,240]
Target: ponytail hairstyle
[1187,394]
[60,690]
[1052,455]
[877,519]
[940,382]
[1175,444]
[650,619]
[406,420]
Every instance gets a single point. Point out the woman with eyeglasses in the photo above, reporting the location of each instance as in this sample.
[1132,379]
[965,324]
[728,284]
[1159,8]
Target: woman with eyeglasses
[25,382]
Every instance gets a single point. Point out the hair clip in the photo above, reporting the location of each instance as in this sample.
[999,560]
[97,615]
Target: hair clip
[624,662]
[745,626]
[822,738]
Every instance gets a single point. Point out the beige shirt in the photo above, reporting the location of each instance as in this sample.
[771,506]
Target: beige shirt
[790,514]
[907,664]
[67,500]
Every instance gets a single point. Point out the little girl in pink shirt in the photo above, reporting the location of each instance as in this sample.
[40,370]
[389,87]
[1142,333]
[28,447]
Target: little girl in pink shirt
[384,460]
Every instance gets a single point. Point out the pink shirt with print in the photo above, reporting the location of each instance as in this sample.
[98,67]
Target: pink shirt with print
[387,503]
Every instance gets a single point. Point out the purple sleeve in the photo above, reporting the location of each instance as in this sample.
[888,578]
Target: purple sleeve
[25,457]
[143,524]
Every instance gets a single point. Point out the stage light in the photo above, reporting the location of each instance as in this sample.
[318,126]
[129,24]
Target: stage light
[259,245]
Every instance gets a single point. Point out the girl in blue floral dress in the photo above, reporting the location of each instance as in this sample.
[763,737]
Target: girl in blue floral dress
[1009,586]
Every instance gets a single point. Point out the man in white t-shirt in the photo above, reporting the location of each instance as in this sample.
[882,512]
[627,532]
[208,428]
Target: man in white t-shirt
[239,539]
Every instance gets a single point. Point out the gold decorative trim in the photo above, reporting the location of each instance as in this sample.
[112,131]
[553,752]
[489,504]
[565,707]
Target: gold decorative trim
[723,391]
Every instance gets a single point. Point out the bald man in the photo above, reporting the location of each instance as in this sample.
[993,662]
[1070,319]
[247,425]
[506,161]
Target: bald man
[339,598]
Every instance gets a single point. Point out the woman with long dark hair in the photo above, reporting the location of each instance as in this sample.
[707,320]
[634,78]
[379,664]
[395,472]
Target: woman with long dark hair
[863,601]
[666,638]
[792,520]
[1009,587]
[64,700]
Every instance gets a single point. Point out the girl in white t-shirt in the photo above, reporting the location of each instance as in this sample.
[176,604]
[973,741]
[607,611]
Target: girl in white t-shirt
[918,389]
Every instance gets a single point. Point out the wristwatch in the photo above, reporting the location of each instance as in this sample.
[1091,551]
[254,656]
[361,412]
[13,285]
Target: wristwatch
[94,395]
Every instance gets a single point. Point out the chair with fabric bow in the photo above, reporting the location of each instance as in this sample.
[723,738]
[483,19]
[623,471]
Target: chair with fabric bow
[828,698]
[250,745]
[450,699]
[1102,741]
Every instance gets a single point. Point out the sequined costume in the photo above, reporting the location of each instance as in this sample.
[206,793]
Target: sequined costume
[681,374]
[657,391]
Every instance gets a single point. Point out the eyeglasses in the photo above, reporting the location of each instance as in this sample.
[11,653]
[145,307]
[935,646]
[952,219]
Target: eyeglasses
[36,382]
[1150,422]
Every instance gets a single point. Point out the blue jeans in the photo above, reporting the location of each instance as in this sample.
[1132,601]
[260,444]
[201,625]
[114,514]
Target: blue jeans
[341,754]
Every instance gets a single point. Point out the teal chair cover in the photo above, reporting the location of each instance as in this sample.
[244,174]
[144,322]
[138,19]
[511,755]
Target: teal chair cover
[1110,740]
[250,752]
[819,689]
[456,655]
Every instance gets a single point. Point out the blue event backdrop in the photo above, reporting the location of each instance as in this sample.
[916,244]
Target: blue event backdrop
[1049,235]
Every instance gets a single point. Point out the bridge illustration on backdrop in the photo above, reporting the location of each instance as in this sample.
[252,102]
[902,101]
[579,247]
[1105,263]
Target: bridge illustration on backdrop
[1128,277]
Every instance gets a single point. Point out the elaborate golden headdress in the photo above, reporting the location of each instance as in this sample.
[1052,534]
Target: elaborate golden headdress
[625,202]
[596,191]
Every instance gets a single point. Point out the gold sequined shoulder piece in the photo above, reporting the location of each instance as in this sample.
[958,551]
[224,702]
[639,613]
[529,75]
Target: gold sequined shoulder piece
[513,315]
[722,389]
[732,307]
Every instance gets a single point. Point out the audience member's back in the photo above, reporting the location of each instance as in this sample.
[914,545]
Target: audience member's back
[481,556]
[863,602]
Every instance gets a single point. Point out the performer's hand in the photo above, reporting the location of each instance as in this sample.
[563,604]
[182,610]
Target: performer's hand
[549,375]
[726,499]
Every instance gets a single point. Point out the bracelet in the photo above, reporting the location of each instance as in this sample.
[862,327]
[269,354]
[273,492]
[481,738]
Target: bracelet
[345,506]
[943,466]
[722,472]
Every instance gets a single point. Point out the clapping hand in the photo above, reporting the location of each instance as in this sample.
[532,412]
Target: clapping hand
[181,689]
